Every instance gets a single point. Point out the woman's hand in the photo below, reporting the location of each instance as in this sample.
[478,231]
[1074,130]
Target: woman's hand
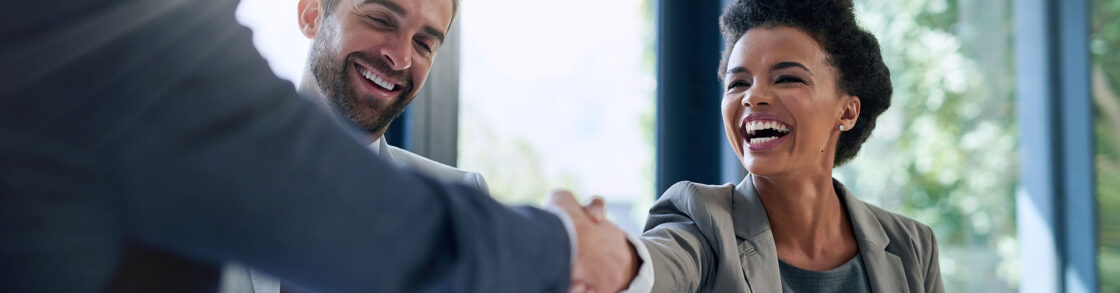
[605,261]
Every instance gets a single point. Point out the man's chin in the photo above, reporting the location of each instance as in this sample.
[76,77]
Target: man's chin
[375,120]
[382,102]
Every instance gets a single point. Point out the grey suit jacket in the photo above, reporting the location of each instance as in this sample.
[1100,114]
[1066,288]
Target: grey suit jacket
[706,238]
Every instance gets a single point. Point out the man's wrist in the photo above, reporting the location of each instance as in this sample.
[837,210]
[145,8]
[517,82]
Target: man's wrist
[635,262]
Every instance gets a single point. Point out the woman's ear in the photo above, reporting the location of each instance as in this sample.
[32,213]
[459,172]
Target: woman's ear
[850,106]
[309,17]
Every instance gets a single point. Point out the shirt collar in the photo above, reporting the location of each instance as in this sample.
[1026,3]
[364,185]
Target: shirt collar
[375,146]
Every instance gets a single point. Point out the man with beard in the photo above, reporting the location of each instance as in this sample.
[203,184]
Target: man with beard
[368,60]
[145,143]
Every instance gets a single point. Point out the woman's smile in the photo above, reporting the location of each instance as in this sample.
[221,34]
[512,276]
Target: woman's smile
[762,132]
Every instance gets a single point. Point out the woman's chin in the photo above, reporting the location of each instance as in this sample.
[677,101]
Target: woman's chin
[763,166]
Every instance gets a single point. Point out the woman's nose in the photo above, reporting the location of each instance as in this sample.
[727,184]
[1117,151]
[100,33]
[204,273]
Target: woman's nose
[757,96]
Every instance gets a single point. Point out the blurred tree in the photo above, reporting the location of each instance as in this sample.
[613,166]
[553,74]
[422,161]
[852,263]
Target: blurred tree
[945,153]
[1105,48]
[511,166]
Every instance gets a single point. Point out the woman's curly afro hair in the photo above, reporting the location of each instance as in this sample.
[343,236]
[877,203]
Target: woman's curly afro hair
[852,51]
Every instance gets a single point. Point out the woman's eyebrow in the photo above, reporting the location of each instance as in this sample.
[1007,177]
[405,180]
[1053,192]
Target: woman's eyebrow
[788,64]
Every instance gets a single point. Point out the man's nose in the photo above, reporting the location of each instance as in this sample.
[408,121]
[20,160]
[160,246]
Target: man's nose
[398,53]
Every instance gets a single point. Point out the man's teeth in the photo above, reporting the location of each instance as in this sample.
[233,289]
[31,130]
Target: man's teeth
[757,125]
[377,80]
[758,140]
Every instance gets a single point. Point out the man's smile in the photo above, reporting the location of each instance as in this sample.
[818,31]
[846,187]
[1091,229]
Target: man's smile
[377,83]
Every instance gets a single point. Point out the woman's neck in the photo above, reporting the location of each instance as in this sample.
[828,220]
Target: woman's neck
[810,225]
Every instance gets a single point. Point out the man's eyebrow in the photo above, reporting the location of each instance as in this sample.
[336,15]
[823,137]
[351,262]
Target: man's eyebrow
[435,33]
[400,11]
[388,4]
[784,65]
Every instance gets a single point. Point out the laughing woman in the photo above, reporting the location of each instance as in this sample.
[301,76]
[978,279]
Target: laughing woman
[804,85]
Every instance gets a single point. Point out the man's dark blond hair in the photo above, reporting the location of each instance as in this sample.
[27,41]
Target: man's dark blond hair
[329,5]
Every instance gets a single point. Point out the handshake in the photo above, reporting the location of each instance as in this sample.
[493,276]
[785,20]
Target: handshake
[605,260]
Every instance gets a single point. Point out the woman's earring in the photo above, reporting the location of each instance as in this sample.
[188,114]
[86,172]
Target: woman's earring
[841,127]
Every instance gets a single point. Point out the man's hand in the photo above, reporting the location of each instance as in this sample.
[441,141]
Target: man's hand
[606,261]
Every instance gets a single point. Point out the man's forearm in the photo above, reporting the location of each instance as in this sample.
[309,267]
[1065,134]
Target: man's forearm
[201,151]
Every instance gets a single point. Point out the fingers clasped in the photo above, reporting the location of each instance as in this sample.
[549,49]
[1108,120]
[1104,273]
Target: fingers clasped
[606,261]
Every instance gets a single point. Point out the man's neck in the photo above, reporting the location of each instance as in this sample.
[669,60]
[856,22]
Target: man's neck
[310,87]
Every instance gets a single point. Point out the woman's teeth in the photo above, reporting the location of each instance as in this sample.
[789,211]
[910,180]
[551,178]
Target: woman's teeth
[759,140]
[754,126]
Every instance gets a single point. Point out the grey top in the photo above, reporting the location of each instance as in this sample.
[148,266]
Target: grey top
[849,277]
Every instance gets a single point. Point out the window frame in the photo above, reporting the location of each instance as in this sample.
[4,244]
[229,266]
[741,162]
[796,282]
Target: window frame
[1056,200]
[431,123]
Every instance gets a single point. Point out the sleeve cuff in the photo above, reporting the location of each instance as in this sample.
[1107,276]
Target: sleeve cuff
[643,282]
[568,226]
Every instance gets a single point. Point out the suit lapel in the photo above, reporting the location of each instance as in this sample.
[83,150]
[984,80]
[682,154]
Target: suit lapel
[757,254]
[884,269]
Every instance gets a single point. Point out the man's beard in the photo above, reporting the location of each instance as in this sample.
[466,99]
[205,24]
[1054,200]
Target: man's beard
[334,79]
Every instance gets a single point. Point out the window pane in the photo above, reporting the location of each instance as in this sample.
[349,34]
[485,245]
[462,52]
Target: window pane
[945,153]
[560,94]
[1105,47]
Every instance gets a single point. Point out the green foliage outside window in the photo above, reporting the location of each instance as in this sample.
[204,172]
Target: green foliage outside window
[946,152]
[1105,47]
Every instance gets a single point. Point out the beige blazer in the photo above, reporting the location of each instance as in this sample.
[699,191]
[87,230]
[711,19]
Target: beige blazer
[707,238]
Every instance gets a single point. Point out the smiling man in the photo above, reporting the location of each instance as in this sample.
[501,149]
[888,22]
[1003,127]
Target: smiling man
[171,148]
[369,59]
[367,62]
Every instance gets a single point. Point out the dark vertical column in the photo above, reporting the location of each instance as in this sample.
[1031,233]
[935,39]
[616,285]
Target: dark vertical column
[1075,122]
[398,133]
[731,169]
[689,127]
[433,116]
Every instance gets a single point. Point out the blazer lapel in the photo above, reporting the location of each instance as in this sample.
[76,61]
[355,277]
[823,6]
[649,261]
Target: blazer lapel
[757,253]
[884,269]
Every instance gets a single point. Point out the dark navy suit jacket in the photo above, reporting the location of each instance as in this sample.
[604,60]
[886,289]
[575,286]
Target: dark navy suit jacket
[145,142]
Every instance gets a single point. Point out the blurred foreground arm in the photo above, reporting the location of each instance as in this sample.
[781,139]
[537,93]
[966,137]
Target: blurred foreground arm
[143,143]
